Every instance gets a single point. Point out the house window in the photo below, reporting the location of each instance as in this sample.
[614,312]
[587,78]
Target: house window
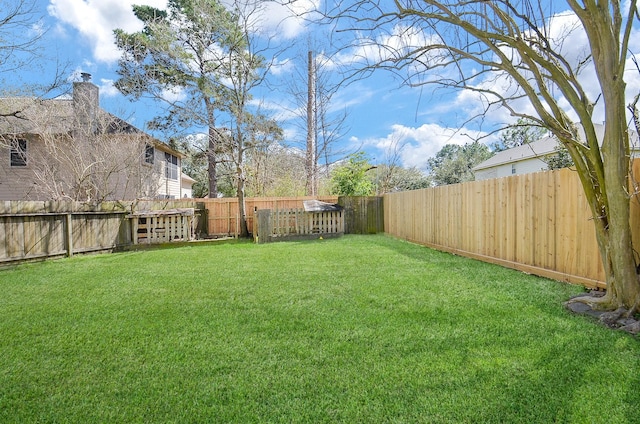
[513,169]
[149,154]
[18,152]
[172,166]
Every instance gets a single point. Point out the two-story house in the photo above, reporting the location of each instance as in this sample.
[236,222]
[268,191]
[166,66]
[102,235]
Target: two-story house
[70,148]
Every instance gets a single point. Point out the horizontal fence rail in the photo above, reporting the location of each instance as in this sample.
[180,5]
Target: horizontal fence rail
[538,223]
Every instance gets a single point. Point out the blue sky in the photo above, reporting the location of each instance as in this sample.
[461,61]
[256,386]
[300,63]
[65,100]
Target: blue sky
[380,110]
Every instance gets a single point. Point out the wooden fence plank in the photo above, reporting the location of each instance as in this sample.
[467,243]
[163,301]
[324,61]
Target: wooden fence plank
[538,223]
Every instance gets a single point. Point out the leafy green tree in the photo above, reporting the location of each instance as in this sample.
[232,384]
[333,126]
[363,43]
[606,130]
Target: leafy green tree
[176,58]
[390,179]
[351,178]
[524,131]
[453,163]
[561,159]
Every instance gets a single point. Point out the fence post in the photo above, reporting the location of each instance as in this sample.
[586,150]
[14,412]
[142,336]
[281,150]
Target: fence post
[263,232]
[69,234]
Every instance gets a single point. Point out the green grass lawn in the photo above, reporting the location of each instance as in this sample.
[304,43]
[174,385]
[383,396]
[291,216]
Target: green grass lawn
[358,329]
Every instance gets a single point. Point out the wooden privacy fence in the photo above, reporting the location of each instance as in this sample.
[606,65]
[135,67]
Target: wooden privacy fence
[38,230]
[296,224]
[363,214]
[538,223]
[43,235]
[223,216]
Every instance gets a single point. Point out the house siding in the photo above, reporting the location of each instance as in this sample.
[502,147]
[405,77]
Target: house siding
[506,170]
[167,187]
[19,182]
[89,131]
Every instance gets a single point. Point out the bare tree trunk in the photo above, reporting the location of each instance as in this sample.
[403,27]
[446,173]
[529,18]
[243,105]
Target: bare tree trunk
[311,161]
[242,208]
[241,181]
[212,151]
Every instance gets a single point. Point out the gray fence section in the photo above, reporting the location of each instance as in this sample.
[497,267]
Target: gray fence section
[28,236]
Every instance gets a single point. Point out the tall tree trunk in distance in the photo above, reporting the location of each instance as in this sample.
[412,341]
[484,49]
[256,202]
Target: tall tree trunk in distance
[242,208]
[310,162]
[212,151]
[241,183]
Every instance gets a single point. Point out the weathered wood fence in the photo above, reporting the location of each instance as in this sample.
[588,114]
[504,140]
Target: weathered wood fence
[38,230]
[43,235]
[538,223]
[163,226]
[223,216]
[296,224]
[363,214]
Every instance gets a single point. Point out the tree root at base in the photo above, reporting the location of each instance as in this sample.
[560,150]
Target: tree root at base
[606,311]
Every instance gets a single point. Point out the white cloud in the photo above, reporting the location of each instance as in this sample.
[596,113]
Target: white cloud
[401,40]
[281,67]
[95,20]
[286,21]
[418,144]
[173,94]
[107,88]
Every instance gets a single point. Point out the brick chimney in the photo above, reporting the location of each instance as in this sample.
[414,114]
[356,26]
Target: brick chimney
[86,105]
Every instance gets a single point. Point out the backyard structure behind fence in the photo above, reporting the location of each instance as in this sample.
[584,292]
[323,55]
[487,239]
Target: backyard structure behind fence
[316,220]
[223,216]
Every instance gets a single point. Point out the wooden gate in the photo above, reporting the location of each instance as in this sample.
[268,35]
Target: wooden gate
[295,224]
[162,226]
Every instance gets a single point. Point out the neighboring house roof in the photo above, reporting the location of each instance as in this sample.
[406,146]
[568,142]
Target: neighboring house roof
[187,178]
[540,148]
[58,116]
[544,147]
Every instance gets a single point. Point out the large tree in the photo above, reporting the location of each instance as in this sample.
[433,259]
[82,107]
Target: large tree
[245,69]
[519,55]
[524,131]
[177,58]
[454,163]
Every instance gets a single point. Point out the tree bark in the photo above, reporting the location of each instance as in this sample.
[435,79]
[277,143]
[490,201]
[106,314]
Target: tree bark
[604,29]
[212,150]
[310,162]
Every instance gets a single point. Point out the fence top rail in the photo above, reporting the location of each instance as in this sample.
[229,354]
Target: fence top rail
[166,212]
[27,214]
[300,211]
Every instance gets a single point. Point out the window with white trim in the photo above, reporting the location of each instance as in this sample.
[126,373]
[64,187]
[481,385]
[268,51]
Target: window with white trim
[172,166]
[18,152]
[149,154]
